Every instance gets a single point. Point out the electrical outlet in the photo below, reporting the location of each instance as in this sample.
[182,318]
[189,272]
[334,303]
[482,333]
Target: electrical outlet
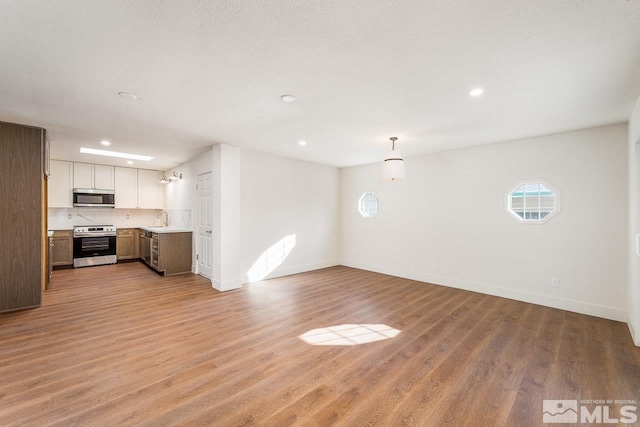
[555,282]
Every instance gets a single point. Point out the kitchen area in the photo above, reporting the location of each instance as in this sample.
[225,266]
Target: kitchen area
[100,214]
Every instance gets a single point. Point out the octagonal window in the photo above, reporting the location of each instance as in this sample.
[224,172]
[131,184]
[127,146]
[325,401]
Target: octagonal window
[533,202]
[369,204]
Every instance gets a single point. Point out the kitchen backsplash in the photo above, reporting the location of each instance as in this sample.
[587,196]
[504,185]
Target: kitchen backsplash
[179,218]
[122,218]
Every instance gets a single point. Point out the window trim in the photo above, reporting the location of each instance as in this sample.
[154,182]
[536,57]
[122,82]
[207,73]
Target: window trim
[362,196]
[512,214]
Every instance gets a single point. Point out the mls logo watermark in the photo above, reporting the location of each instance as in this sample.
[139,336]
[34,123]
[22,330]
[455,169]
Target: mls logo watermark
[560,411]
[610,411]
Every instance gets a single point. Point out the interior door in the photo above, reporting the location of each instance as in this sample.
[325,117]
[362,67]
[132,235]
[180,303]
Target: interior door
[204,256]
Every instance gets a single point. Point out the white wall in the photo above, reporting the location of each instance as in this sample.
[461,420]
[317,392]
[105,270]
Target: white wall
[226,215]
[258,200]
[633,290]
[446,224]
[182,194]
[283,197]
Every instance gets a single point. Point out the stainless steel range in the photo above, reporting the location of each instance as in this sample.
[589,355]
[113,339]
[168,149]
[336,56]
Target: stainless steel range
[94,245]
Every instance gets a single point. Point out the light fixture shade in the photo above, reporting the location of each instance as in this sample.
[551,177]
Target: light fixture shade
[164,180]
[174,176]
[393,167]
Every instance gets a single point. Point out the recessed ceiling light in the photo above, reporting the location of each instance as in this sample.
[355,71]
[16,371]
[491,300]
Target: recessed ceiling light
[129,162]
[129,96]
[105,142]
[114,154]
[476,92]
[288,98]
[302,143]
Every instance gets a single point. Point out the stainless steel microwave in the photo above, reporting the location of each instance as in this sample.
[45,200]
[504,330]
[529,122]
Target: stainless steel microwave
[91,198]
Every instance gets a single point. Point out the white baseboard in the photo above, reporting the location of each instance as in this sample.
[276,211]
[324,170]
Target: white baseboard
[228,285]
[514,294]
[280,272]
[636,338]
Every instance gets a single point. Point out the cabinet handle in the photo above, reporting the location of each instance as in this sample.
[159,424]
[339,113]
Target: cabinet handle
[208,231]
[638,244]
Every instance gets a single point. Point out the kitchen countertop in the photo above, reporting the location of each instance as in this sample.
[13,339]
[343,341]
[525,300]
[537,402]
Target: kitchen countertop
[161,230]
[153,229]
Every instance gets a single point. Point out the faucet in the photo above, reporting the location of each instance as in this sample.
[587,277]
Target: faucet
[166,218]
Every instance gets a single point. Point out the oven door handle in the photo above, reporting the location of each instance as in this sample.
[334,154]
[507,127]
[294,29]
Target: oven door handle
[94,235]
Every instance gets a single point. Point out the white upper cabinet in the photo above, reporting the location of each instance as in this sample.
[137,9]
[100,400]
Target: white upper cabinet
[126,187]
[60,184]
[150,191]
[103,177]
[82,175]
[86,175]
[134,188]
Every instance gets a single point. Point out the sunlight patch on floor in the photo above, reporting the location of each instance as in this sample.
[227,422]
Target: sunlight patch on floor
[352,334]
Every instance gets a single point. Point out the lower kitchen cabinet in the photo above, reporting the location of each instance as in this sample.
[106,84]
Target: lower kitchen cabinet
[61,248]
[170,253]
[127,243]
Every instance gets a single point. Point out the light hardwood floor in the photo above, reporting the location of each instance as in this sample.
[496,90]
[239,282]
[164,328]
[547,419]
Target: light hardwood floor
[121,346]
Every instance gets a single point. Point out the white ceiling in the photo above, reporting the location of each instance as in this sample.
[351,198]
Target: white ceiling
[209,72]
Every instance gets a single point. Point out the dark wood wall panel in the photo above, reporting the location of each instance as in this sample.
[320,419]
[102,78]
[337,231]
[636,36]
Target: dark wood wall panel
[21,213]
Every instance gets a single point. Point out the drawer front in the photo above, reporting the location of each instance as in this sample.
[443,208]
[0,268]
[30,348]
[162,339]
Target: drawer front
[62,233]
[126,232]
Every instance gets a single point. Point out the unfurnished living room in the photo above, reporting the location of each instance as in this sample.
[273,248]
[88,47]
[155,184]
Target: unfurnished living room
[319,213]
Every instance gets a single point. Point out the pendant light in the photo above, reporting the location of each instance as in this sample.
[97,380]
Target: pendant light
[393,166]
